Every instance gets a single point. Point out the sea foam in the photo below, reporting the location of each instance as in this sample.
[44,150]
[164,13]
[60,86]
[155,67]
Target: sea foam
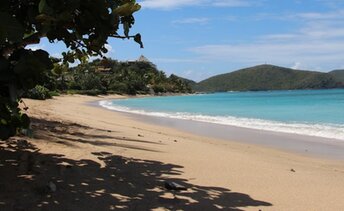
[331,131]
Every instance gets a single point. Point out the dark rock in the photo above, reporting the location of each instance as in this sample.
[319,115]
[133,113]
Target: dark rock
[174,186]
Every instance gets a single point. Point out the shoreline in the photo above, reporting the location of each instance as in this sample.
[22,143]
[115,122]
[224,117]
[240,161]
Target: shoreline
[316,147]
[100,159]
[326,130]
[307,145]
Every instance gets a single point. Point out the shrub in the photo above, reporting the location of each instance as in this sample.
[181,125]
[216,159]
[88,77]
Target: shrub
[54,93]
[93,92]
[39,93]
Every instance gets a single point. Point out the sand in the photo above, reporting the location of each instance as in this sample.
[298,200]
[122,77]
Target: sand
[84,157]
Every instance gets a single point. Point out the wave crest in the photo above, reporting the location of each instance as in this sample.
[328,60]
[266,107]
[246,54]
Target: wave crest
[332,131]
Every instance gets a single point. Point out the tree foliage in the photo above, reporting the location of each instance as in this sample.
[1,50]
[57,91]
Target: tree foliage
[83,25]
[110,76]
[38,92]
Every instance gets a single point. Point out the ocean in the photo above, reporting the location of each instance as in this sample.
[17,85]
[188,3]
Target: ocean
[306,112]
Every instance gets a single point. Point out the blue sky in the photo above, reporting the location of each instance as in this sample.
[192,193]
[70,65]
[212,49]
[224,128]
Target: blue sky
[201,38]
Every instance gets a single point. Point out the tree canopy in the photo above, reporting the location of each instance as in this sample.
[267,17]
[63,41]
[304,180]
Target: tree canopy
[103,76]
[83,25]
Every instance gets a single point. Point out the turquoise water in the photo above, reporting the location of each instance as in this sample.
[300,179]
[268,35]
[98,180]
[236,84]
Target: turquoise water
[308,112]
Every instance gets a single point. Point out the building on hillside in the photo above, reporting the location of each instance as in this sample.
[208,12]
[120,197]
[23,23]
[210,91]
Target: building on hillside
[142,58]
[102,69]
[107,69]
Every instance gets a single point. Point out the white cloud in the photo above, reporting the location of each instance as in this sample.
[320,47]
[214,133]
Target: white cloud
[332,3]
[232,3]
[57,55]
[297,66]
[315,45]
[195,75]
[177,60]
[280,37]
[333,15]
[173,4]
[323,33]
[316,16]
[167,4]
[276,53]
[35,47]
[318,43]
[110,50]
[201,21]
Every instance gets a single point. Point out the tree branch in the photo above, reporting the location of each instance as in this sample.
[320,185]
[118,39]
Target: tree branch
[32,39]
[122,37]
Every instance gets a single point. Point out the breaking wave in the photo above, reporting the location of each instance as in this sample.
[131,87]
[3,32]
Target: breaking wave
[332,131]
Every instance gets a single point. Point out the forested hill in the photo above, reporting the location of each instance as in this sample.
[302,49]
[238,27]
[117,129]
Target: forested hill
[338,75]
[130,77]
[106,76]
[269,77]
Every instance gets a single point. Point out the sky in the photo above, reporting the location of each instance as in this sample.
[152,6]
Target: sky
[197,39]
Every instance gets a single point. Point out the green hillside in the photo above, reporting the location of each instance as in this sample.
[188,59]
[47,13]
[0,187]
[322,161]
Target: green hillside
[187,81]
[106,76]
[338,75]
[266,77]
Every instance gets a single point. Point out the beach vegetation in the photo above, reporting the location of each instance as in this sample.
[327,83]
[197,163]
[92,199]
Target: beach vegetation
[83,26]
[38,92]
[107,76]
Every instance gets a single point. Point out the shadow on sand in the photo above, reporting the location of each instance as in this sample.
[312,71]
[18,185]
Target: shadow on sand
[28,181]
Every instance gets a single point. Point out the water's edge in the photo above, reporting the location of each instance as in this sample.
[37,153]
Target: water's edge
[295,143]
[317,130]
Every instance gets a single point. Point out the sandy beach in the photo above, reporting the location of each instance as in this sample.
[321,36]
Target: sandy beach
[83,157]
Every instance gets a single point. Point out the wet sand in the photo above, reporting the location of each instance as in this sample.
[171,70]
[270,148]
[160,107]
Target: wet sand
[301,144]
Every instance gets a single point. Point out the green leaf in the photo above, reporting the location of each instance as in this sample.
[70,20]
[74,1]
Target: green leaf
[137,39]
[3,121]
[127,9]
[42,5]
[126,27]
[10,29]
[43,58]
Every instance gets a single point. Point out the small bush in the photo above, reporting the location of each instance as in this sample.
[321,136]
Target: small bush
[158,88]
[93,92]
[54,93]
[38,93]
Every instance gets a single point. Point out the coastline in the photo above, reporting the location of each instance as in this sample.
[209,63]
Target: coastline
[219,174]
[317,147]
[241,112]
[307,145]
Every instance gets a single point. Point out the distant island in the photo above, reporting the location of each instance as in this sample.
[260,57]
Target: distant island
[270,77]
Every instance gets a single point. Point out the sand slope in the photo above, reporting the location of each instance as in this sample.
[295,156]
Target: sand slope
[104,160]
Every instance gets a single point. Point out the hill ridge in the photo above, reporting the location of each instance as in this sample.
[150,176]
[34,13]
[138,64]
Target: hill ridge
[270,77]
